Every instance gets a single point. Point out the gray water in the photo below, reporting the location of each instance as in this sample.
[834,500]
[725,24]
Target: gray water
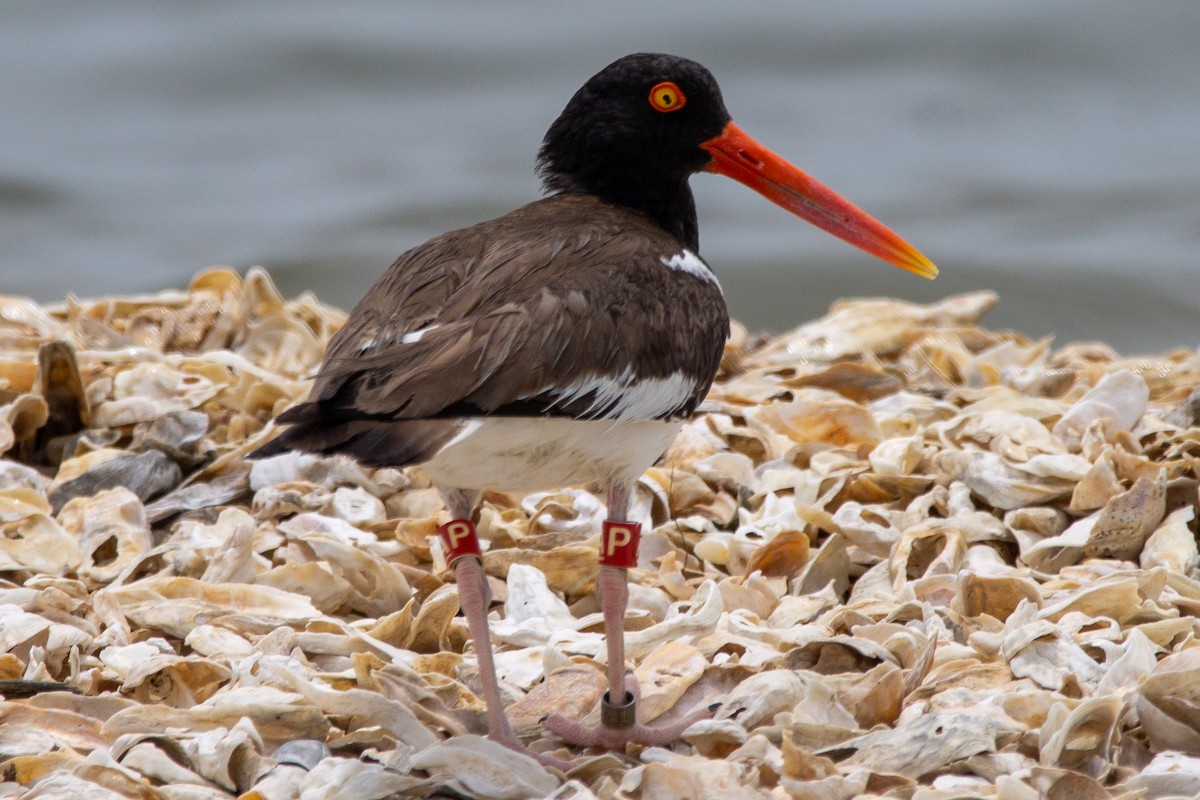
[1050,151]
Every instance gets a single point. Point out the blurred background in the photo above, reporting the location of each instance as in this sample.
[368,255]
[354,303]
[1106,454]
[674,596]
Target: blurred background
[1049,151]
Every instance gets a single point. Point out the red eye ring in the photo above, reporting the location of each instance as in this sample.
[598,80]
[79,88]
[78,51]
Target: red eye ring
[667,97]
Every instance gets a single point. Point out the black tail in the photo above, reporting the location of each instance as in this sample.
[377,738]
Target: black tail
[371,442]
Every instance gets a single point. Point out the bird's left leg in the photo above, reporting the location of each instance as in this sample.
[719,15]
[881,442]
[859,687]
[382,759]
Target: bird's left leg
[618,707]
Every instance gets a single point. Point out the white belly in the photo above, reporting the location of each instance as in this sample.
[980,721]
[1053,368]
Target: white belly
[511,454]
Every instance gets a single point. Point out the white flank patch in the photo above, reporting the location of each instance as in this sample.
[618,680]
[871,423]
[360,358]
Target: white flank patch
[537,453]
[469,427]
[629,398]
[692,264]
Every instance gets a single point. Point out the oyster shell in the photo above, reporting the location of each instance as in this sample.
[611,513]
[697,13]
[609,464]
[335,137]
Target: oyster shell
[903,554]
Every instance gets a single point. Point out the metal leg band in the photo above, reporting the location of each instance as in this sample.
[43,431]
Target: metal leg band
[618,716]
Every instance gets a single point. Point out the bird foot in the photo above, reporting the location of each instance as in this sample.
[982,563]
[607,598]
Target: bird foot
[513,743]
[619,726]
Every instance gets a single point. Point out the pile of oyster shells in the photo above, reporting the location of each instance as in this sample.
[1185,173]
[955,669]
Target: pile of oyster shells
[909,556]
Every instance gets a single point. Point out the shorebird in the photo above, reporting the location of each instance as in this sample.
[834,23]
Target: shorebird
[565,342]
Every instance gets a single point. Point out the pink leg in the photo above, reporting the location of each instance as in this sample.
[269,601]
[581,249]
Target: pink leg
[618,714]
[474,597]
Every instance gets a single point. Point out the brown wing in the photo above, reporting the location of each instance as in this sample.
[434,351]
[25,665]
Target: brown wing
[516,316]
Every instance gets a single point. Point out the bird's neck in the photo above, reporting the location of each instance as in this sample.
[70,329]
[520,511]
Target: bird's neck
[671,206]
[668,202]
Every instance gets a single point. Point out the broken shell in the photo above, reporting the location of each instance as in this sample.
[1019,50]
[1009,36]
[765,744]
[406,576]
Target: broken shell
[532,613]
[147,475]
[23,634]
[1167,775]
[216,492]
[1097,487]
[572,691]
[1001,484]
[162,676]
[882,327]
[337,778]
[827,570]
[1168,703]
[665,675]
[178,434]
[150,759]
[1015,437]
[1081,739]
[113,532]
[33,540]
[1126,520]
[698,618]
[21,419]
[715,738]
[282,345]
[216,642]
[357,506]
[177,605]
[145,392]
[476,766]
[853,380]
[761,698]
[924,744]
[1173,545]
[897,456]
[997,596]
[1119,397]
[60,384]
[370,708]
[379,587]
[58,728]
[817,415]
[877,698]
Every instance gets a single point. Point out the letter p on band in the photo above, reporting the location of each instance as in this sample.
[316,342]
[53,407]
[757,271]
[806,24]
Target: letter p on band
[619,544]
[459,539]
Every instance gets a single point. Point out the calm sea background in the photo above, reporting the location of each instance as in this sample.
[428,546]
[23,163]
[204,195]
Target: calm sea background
[1049,151]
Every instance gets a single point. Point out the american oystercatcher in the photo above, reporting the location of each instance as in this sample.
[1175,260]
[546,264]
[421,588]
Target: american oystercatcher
[565,342]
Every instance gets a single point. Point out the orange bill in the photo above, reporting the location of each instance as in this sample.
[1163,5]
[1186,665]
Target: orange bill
[737,156]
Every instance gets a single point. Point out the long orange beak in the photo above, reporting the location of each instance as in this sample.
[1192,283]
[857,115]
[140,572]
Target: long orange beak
[738,156]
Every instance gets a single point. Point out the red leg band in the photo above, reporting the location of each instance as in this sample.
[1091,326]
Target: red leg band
[619,544]
[459,539]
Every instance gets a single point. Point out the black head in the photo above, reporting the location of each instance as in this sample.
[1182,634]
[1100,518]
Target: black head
[632,135]
[642,125]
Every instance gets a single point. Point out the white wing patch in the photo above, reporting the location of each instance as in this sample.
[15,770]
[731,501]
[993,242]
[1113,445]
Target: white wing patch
[692,264]
[412,337]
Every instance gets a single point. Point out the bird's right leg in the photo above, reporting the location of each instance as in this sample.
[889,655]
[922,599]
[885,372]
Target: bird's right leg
[463,553]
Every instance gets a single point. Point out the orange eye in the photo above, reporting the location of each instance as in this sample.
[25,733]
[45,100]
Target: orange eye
[666,96]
